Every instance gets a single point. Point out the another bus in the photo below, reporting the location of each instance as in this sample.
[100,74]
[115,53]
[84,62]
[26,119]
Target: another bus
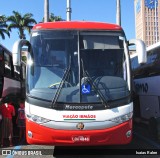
[10,77]
[78,84]
[146,82]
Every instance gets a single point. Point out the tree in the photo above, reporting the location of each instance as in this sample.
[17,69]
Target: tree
[22,23]
[3,27]
[53,18]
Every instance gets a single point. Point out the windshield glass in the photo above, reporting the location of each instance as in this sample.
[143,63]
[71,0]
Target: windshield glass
[77,67]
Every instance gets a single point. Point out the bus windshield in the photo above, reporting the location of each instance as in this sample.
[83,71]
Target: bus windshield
[72,66]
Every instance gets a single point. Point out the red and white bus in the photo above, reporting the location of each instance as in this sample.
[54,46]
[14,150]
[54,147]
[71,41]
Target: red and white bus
[78,84]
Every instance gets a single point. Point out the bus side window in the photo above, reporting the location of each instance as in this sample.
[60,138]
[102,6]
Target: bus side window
[7,62]
[1,61]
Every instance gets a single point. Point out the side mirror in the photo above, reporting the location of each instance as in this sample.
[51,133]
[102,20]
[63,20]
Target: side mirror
[140,50]
[16,51]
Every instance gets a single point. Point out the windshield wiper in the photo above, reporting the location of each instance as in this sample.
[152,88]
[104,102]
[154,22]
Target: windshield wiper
[101,96]
[66,72]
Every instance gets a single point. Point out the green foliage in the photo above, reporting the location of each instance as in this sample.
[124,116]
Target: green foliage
[24,58]
[17,21]
[20,22]
[3,27]
[53,18]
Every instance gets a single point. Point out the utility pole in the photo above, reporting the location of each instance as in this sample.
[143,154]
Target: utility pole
[69,10]
[118,14]
[46,10]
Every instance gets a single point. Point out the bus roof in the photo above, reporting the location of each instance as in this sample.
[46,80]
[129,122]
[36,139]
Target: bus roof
[77,25]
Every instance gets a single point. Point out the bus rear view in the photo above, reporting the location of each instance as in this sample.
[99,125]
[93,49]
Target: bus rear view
[78,85]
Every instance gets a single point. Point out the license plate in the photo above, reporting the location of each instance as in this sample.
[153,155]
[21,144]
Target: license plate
[80,138]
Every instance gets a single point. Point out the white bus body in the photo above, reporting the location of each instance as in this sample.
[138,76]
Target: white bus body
[146,82]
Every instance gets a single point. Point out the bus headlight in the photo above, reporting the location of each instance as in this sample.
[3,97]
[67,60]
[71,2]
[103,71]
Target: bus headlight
[122,118]
[37,119]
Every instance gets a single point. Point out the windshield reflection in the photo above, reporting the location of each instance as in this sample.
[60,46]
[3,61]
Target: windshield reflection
[55,51]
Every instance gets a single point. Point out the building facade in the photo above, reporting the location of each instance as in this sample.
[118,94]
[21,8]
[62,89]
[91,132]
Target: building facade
[147,20]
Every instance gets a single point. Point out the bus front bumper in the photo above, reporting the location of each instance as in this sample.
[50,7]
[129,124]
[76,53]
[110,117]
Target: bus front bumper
[38,134]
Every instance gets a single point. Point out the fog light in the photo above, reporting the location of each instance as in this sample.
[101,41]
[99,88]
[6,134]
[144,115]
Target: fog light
[30,134]
[128,134]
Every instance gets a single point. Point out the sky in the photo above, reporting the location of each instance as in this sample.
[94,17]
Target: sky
[88,10]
